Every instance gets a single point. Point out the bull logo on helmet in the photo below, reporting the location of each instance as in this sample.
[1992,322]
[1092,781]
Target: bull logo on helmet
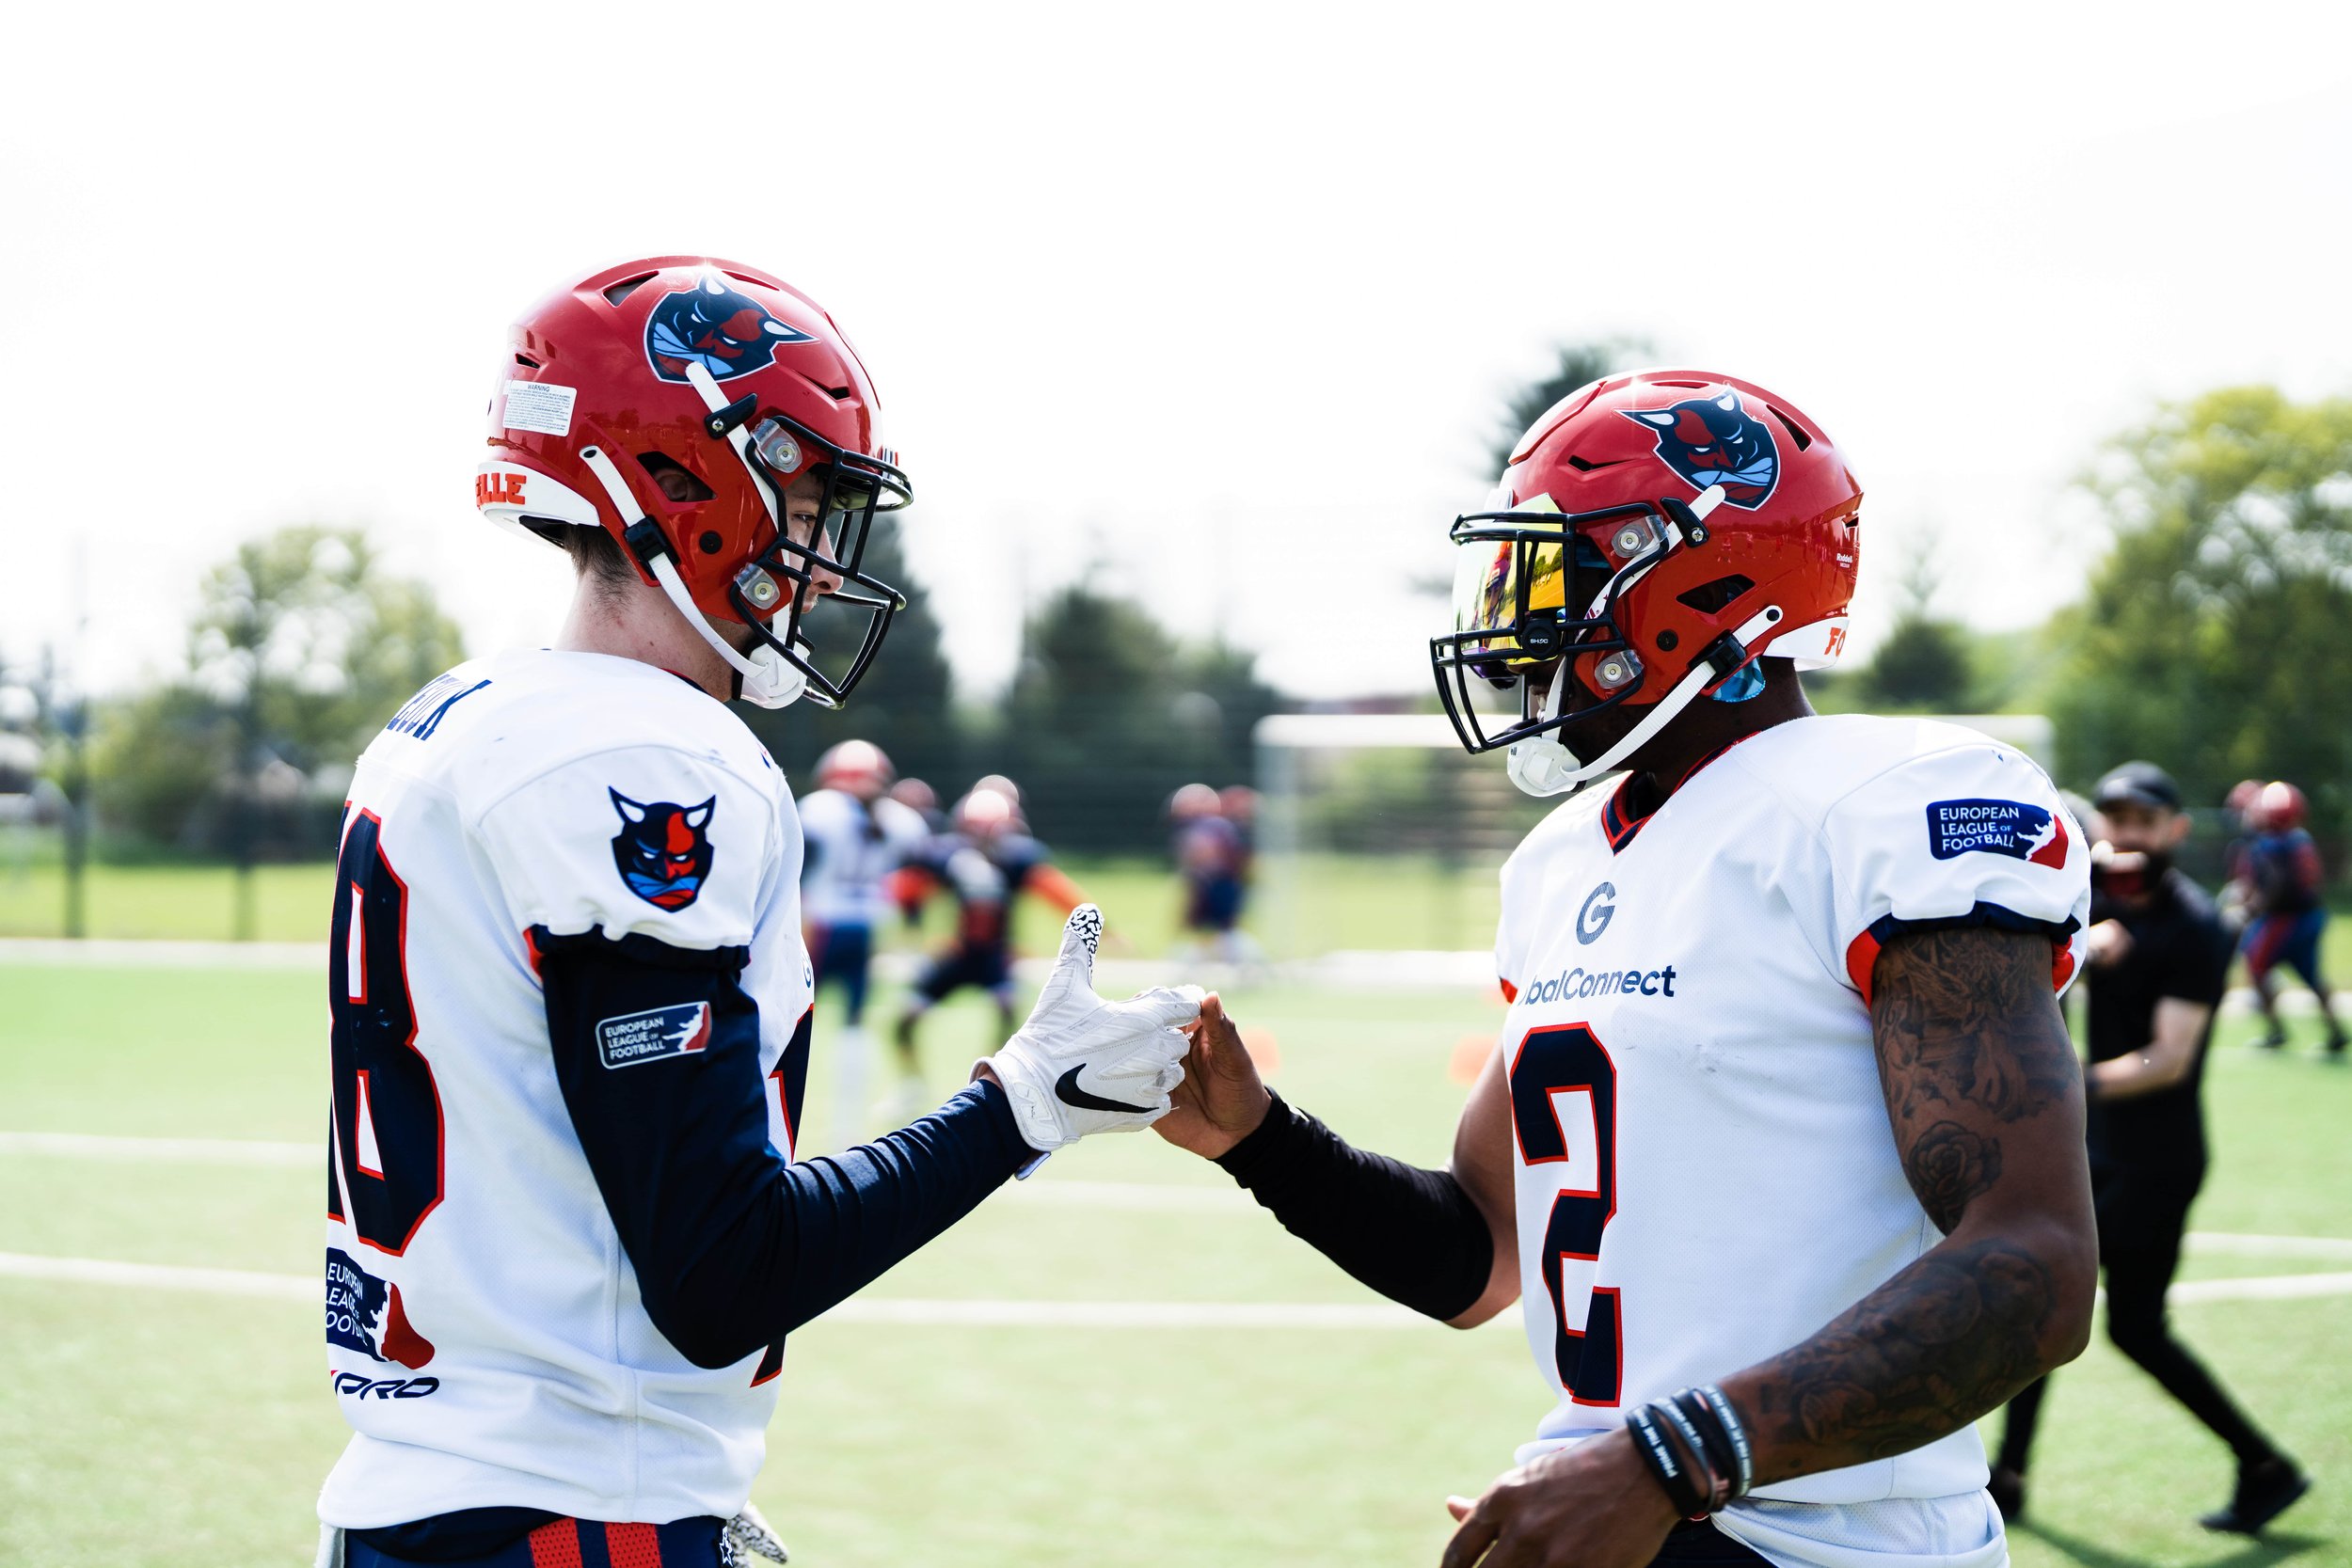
[1714,440]
[727,332]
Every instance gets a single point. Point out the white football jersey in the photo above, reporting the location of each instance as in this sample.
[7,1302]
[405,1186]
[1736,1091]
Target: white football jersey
[485,1334]
[1705,1174]
[851,846]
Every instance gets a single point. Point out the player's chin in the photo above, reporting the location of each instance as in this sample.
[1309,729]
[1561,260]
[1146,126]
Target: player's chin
[735,634]
[1592,734]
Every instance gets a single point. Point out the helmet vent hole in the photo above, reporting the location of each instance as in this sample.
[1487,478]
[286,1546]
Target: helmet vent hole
[838,394]
[526,361]
[617,293]
[1796,431]
[1585,465]
[678,482]
[1708,599]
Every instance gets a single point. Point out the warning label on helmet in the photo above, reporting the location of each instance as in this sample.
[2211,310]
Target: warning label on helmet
[539,406]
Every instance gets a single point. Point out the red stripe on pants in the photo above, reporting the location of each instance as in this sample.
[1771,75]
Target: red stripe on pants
[632,1545]
[556,1545]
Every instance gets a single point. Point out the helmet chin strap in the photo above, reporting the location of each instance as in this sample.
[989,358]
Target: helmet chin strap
[1541,766]
[767,679]
[707,387]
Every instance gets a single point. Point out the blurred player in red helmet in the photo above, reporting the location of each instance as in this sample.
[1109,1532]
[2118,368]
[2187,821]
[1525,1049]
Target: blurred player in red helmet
[571,1008]
[1781,1148]
[2287,912]
[854,837]
[1212,865]
[984,862]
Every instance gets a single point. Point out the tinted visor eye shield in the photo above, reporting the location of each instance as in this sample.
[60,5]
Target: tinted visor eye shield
[1518,608]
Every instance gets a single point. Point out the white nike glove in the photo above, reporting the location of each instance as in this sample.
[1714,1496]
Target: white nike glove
[1083,1064]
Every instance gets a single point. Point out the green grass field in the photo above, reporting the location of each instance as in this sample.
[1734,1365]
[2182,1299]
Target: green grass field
[1314,905]
[165,1426]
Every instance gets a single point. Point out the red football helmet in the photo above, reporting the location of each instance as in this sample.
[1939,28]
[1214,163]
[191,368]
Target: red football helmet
[2278,808]
[721,383]
[858,767]
[1653,535]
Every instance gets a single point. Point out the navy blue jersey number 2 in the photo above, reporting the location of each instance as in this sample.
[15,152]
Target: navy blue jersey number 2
[387,1113]
[1568,1069]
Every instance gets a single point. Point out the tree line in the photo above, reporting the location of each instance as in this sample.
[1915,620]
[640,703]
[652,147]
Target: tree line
[2211,637]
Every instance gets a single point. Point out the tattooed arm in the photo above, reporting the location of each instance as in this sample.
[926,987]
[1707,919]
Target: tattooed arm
[1986,1098]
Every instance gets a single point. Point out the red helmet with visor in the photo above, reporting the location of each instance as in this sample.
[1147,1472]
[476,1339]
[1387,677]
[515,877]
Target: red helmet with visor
[1653,535]
[673,401]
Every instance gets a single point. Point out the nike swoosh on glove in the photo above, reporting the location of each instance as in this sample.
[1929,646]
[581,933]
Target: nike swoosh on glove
[1083,1064]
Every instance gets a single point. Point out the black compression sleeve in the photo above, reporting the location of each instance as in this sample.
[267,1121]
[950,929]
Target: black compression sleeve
[732,1246]
[1411,1234]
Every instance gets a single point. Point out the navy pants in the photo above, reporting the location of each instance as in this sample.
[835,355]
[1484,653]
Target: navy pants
[1702,1545]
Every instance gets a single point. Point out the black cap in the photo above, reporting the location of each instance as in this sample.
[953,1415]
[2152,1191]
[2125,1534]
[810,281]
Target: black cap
[2142,783]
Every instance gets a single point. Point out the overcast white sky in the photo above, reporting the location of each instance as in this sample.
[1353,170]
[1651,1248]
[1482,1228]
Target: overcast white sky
[1217,300]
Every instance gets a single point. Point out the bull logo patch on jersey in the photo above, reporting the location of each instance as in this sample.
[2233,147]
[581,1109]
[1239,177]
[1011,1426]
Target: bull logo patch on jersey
[1715,440]
[727,332]
[662,850]
[2011,827]
[653,1035]
[363,1313]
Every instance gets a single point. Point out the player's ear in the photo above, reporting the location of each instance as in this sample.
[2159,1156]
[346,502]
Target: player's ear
[631,811]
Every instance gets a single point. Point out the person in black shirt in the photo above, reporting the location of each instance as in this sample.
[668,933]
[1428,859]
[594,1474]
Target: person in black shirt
[2159,961]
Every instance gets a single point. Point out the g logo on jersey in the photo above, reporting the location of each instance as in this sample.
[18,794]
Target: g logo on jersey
[726,333]
[1595,916]
[1715,440]
[662,850]
[2010,828]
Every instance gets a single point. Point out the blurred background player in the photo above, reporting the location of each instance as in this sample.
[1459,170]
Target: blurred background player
[983,862]
[2159,961]
[1210,862]
[855,835]
[2280,881]
[922,800]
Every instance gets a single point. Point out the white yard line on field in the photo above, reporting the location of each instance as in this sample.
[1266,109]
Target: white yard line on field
[102,953]
[202,1152]
[914,1311]
[866,1309]
[1052,1194]
[1124,1197]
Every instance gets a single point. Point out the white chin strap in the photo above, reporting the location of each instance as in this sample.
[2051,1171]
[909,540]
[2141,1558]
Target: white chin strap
[770,679]
[1542,766]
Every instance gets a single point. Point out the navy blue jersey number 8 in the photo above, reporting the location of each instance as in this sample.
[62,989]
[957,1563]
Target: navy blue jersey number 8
[1550,1064]
[387,1113]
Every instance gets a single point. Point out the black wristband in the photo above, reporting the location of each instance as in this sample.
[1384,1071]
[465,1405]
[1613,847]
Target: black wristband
[1708,1427]
[1727,1419]
[1710,1479]
[1649,1441]
[1413,1235]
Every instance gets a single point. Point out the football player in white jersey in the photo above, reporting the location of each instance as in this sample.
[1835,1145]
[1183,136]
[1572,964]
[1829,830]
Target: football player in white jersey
[571,1008]
[1780,1149]
[855,835]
